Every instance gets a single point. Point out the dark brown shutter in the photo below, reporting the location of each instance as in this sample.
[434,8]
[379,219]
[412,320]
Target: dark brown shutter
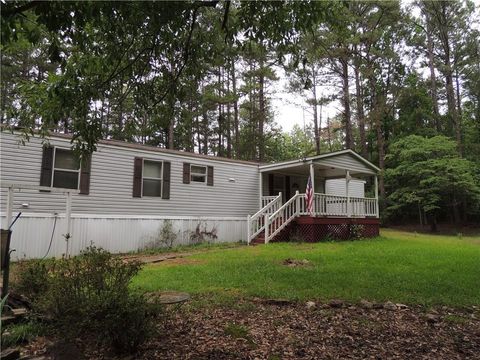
[186,173]
[166,180]
[47,167]
[137,177]
[287,187]
[270,185]
[85,175]
[210,175]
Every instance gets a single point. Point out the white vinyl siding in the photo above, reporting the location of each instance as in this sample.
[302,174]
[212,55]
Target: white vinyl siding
[338,187]
[112,177]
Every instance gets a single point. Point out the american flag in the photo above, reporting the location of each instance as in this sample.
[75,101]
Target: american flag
[309,196]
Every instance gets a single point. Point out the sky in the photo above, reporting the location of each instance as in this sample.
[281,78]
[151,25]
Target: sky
[291,109]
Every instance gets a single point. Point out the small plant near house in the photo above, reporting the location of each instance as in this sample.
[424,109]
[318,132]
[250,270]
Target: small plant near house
[356,231]
[328,238]
[16,334]
[91,291]
[166,237]
[297,237]
[201,234]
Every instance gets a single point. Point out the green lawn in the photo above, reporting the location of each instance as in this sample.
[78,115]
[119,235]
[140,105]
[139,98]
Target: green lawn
[398,266]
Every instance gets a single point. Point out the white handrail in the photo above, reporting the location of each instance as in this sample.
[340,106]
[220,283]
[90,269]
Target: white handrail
[255,223]
[282,217]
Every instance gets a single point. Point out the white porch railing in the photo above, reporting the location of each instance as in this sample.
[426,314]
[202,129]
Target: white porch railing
[361,207]
[255,223]
[268,199]
[275,222]
[323,205]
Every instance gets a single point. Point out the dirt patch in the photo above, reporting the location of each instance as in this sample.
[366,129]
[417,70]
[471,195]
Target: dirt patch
[297,331]
[180,261]
[296,262]
[152,259]
[265,330]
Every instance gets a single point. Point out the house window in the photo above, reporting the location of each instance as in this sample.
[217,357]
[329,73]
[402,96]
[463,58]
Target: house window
[152,178]
[198,173]
[66,169]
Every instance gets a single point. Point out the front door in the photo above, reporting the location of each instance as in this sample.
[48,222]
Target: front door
[280,183]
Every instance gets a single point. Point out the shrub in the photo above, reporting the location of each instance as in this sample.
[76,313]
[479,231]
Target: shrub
[92,292]
[32,279]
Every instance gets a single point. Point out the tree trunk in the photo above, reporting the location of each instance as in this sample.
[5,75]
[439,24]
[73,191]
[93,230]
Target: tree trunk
[261,118]
[448,72]
[171,123]
[346,105]
[459,99]
[360,112]
[205,132]
[378,102]
[433,78]
[315,113]
[329,135]
[190,141]
[220,114]
[228,122]
[199,140]
[433,223]
[235,112]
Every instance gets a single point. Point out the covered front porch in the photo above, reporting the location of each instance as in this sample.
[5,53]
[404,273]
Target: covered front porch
[345,187]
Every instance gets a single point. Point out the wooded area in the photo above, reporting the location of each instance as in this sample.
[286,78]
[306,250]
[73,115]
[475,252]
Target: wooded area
[199,76]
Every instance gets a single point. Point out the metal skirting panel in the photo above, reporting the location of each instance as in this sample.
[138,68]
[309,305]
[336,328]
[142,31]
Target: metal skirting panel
[32,233]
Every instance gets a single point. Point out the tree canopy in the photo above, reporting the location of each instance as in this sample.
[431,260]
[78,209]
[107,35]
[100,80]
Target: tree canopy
[202,76]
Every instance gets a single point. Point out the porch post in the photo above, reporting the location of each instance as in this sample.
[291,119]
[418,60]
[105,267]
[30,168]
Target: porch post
[376,197]
[260,188]
[347,184]
[248,229]
[312,176]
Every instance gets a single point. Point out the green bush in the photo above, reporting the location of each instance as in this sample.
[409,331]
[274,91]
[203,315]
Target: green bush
[33,277]
[90,293]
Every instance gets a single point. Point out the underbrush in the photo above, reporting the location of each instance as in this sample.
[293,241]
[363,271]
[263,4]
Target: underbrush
[17,334]
[89,294]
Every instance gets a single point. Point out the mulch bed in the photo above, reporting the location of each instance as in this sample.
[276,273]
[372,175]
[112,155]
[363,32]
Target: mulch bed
[267,329]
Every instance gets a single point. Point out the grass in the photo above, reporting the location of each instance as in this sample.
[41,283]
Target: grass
[20,333]
[402,267]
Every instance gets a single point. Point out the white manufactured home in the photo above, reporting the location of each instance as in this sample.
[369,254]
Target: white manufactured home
[122,196]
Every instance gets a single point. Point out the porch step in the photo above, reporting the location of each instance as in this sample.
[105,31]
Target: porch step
[260,239]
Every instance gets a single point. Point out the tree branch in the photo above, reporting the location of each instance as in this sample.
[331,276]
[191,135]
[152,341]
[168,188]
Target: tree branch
[19,9]
[225,15]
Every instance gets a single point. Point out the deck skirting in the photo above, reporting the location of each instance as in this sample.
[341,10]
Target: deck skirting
[315,229]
